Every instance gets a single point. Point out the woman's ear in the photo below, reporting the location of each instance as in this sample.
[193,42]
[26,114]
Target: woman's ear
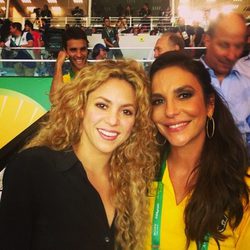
[211,105]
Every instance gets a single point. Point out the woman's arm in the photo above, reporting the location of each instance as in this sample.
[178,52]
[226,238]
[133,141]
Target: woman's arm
[16,207]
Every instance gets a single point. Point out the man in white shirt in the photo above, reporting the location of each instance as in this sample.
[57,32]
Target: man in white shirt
[19,39]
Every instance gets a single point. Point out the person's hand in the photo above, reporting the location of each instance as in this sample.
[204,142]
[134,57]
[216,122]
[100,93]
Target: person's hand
[62,56]
[2,44]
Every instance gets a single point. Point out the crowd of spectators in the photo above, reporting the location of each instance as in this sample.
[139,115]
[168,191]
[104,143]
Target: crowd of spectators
[40,29]
[129,21]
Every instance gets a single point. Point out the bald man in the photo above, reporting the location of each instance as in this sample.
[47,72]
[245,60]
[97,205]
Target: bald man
[225,40]
[168,42]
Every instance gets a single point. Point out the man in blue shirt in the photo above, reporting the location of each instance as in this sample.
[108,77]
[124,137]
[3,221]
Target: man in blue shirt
[225,40]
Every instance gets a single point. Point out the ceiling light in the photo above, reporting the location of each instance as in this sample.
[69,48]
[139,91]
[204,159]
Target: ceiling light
[77,1]
[26,1]
[30,8]
[56,9]
[228,8]
[52,1]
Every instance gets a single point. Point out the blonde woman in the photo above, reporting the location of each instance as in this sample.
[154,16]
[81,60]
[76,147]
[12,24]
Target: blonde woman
[81,182]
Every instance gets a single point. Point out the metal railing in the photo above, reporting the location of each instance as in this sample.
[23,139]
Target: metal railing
[44,64]
[153,22]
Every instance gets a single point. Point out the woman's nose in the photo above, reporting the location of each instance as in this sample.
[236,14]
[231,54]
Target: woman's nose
[171,109]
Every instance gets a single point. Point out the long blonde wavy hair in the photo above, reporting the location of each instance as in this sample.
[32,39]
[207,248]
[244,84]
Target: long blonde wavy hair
[132,164]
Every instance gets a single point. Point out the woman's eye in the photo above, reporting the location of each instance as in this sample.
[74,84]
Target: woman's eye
[128,112]
[101,105]
[185,95]
[157,101]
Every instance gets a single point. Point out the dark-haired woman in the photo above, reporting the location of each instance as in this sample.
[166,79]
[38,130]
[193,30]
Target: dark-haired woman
[201,197]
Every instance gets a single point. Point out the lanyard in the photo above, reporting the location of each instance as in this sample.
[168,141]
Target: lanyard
[156,224]
[156,227]
[204,244]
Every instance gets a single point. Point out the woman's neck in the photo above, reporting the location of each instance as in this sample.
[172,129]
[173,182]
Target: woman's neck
[183,160]
[181,165]
[186,157]
[97,167]
[94,163]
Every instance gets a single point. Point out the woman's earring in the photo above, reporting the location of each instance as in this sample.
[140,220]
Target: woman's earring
[210,127]
[160,139]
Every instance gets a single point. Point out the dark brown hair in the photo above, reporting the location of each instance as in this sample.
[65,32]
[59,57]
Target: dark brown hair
[73,33]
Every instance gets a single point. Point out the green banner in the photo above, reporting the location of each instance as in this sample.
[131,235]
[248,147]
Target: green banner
[23,100]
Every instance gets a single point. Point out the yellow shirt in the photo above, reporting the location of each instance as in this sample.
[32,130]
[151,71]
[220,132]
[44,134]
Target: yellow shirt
[67,78]
[172,225]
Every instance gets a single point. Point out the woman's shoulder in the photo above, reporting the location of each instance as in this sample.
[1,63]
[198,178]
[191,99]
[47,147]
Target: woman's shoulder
[26,163]
[40,159]
[36,152]
[44,156]
[30,155]
[35,157]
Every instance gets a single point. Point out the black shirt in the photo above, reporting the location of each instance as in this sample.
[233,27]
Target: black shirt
[49,204]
